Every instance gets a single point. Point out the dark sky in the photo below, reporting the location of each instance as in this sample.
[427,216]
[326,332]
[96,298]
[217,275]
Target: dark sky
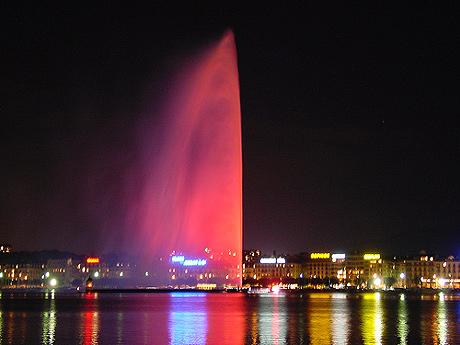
[351,136]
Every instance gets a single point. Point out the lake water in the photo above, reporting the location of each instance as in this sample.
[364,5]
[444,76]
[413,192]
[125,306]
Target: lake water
[234,318]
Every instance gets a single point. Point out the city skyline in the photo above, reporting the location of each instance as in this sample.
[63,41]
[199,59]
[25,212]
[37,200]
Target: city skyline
[343,271]
[350,135]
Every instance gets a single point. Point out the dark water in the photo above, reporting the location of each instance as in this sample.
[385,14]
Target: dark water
[200,318]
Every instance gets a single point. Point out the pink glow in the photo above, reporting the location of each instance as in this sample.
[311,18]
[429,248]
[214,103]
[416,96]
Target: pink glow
[191,199]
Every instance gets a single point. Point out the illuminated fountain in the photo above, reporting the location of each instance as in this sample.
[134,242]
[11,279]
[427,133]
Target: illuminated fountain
[189,215]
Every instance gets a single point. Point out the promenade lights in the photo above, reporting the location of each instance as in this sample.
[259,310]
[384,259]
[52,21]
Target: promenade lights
[402,276]
[442,282]
[275,288]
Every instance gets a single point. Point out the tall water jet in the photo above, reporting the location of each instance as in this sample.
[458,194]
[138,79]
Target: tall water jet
[189,215]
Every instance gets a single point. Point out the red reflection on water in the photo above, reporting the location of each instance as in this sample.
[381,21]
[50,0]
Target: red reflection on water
[226,321]
[90,320]
[89,325]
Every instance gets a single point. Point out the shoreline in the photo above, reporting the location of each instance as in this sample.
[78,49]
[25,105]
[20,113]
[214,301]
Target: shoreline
[410,292]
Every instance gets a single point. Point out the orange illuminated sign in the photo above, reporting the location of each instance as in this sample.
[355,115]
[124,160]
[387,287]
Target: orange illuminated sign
[92,260]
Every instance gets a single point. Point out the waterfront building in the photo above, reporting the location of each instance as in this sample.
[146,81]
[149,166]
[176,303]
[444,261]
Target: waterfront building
[448,272]
[272,268]
[324,269]
[63,270]
[364,270]
[21,275]
[430,272]
[251,256]
[306,270]
[6,248]
[323,266]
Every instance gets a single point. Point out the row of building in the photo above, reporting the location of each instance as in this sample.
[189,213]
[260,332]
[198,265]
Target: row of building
[61,273]
[356,270]
[305,270]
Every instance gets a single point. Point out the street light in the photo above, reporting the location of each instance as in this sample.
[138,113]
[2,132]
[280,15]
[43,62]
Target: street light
[53,282]
[442,282]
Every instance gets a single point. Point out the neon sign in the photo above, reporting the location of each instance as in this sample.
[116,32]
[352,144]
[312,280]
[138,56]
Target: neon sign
[177,258]
[182,260]
[371,256]
[338,256]
[268,260]
[320,255]
[272,260]
[92,260]
[194,262]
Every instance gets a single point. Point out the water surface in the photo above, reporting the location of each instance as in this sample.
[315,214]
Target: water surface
[203,318]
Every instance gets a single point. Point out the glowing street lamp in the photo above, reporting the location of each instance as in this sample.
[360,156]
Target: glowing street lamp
[53,282]
[402,276]
[442,282]
[275,289]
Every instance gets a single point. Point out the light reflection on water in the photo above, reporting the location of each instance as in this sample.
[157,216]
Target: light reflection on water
[403,320]
[340,319]
[90,320]
[188,322]
[202,318]
[441,321]
[49,324]
[320,319]
[272,319]
[371,318]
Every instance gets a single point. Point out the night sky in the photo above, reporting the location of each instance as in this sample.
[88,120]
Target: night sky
[351,136]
